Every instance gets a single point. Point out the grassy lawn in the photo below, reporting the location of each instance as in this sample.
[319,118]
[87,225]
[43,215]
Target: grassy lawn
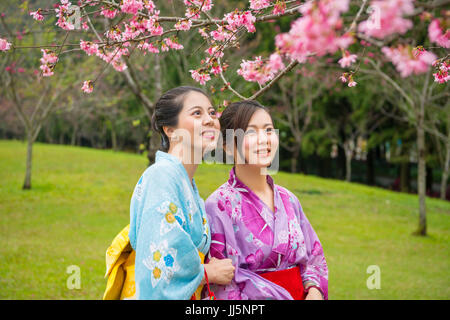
[80,199]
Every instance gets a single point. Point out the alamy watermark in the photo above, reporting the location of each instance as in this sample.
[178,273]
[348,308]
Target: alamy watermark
[239,148]
[374,280]
[74,280]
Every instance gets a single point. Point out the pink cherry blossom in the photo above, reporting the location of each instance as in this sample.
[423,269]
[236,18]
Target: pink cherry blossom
[173,44]
[183,25]
[275,62]
[203,33]
[46,70]
[347,59]
[62,11]
[109,13]
[437,35]
[221,34]
[114,57]
[48,57]
[200,77]
[352,83]
[206,5]
[442,76]
[260,71]
[214,51]
[150,6]
[4,45]
[279,7]
[48,61]
[89,47]
[87,86]
[237,19]
[216,69]
[408,61]
[37,15]
[259,4]
[150,47]
[386,18]
[316,32]
[152,26]
[131,6]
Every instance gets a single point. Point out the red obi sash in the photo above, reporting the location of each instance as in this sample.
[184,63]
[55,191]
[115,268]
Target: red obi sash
[289,279]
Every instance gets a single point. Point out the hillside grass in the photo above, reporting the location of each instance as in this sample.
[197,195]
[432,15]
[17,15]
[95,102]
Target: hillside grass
[80,200]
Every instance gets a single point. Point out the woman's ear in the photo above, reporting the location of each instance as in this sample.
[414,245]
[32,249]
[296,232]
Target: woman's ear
[168,131]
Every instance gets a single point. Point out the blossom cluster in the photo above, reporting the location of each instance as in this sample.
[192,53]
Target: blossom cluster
[319,31]
[387,18]
[408,60]
[48,62]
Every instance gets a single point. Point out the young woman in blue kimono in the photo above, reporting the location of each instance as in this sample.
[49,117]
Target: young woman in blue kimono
[169,230]
[258,224]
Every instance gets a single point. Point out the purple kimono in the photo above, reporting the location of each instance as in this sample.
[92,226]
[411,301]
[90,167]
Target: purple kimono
[245,230]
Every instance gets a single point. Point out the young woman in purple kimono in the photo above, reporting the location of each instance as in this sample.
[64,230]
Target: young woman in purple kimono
[260,225]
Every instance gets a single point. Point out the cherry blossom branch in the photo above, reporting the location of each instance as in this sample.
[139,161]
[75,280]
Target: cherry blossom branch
[353,24]
[228,84]
[274,80]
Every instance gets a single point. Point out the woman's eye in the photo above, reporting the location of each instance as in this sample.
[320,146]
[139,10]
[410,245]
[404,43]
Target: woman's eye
[197,113]
[269,129]
[250,131]
[213,113]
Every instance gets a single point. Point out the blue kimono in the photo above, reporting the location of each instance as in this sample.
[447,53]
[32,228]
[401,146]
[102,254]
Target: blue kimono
[168,229]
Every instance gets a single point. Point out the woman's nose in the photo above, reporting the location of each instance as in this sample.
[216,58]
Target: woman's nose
[262,137]
[208,120]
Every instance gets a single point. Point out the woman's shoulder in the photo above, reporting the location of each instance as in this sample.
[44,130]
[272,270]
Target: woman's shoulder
[285,191]
[161,174]
[221,192]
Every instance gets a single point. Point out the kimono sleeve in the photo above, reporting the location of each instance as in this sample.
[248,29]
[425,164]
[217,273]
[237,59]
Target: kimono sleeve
[314,271]
[167,263]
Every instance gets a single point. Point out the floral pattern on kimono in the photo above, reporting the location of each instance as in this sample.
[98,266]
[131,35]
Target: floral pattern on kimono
[168,229]
[257,240]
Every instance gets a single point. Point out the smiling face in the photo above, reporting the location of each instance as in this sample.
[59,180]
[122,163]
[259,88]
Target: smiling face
[260,140]
[198,126]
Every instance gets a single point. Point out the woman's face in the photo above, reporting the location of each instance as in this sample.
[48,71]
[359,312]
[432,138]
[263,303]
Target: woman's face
[260,140]
[198,124]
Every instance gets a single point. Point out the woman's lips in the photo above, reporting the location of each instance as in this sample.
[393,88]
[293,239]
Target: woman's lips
[209,134]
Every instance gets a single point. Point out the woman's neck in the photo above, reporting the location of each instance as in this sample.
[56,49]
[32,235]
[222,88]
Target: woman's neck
[252,177]
[188,164]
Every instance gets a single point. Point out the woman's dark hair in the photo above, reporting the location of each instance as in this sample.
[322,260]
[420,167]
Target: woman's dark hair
[167,110]
[237,116]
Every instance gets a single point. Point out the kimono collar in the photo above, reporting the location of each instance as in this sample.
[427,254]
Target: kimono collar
[234,180]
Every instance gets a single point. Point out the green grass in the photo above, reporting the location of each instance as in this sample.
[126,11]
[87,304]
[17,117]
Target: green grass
[80,199]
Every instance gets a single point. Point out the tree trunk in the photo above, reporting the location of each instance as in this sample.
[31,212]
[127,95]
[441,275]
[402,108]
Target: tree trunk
[370,173]
[27,181]
[113,137]
[445,173]
[348,149]
[294,158]
[348,168]
[421,175]
[74,134]
[404,176]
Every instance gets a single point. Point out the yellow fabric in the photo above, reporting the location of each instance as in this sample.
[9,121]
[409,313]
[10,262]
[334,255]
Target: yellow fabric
[198,292]
[120,268]
[120,258]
